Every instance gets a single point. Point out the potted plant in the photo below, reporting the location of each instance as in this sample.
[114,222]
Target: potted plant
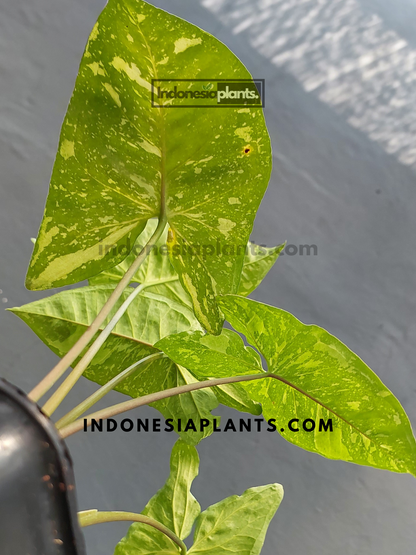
[152,200]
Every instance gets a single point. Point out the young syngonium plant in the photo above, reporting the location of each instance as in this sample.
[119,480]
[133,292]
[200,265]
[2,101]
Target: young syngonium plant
[155,206]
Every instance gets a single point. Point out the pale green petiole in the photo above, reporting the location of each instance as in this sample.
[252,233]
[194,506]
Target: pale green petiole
[100,393]
[55,400]
[153,397]
[93,516]
[53,403]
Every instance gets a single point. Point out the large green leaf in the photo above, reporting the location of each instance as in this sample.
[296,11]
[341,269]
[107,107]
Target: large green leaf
[319,378]
[149,317]
[61,319]
[237,525]
[120,159]
[174,506]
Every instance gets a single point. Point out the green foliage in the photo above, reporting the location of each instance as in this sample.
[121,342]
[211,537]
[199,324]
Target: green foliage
[235,525]
[122,161]
[257,263]
[60,320]
[174,505]
[212,357]
[163,308]
[122,167]
[319,378]
[155,269]
[160,276]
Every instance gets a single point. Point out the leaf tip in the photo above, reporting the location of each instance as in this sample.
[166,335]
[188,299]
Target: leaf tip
[31,283]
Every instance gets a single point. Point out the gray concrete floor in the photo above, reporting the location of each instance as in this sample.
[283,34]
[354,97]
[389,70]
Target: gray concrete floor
[341,113]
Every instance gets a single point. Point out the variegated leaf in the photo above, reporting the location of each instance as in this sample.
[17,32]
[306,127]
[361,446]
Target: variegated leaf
[122,161]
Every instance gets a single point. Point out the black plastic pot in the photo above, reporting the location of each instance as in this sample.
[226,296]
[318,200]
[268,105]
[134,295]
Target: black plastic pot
[38,513]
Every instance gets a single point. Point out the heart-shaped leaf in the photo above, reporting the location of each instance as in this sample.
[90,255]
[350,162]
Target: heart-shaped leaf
[122,161]
[174,506]
[237,525]
[317,378]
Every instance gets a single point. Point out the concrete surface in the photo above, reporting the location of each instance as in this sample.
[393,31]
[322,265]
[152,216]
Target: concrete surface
[341,114]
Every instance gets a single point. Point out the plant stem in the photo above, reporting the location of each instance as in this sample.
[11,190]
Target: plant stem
[54,375]
[100,393]
[56,399]
[153,397]
[88,518]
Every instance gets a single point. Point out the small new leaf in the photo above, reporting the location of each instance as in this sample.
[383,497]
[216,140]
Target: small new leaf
[258,261]
[237,525]
[174,506]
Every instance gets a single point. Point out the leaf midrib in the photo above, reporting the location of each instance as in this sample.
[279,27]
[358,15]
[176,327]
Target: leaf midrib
[153,296]
[294,387]
[163,178]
